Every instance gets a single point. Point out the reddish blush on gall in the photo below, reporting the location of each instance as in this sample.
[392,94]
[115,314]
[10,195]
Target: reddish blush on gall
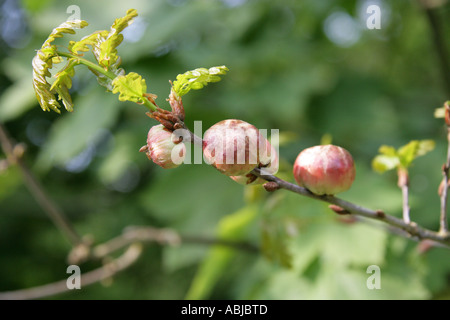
[325,169]
[161,148]
[232,147]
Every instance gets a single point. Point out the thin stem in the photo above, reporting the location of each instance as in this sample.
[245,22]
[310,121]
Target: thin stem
[38,191]
[129,257]
[88,63]
[130,239]
[412,228]
[149,105]
[443,229]
[161,236]
[403,183]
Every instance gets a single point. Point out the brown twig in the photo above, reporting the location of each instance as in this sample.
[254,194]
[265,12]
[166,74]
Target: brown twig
[412,229]
[38,191]
[154,235]
[132,238]
[105,272]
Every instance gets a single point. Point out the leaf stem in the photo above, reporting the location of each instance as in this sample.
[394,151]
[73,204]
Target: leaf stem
[88,63]
[403,184]
[148,104]
[443,229]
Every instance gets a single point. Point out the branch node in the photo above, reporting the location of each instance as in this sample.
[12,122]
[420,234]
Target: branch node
[19,150]
[271,186]
[380,214]
[338,209]
[143,148]
[425,245]
[80,252]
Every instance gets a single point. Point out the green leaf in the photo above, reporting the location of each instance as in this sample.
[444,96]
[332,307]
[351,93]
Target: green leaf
[414,149]
[439,112]
[424,147]
[130,87]
[92,40]
[389,158]
[274,244]
[231,227]
[107,55]
[197,79]
[121,23]
[382,163]
[388,151]
[65,27]
[103,43]
[43,62]
[45,97]
[63,83]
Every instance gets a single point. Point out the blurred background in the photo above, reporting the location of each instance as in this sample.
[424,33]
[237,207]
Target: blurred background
[312,69]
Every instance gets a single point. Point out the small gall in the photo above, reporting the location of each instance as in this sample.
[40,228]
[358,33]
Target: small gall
[325,169]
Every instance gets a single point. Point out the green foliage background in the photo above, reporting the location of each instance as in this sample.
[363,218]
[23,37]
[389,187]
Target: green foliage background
[285,73]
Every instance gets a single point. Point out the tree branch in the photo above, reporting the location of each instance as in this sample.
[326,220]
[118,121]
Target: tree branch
[153,235]
[38,191]
[129,257]
[411,228]
[132,238]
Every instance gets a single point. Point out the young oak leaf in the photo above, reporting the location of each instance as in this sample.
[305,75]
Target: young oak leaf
[42,63]
[63,83]
[390,158]
[65,27]
[131,87]
[94,40]
[104,44]
[197,79]
[414,149]
[121,23]
[382,163]
[106,52]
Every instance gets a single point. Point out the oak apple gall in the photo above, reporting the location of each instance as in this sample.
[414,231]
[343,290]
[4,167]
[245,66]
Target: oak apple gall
[233,147]
[325,169]
[162,148]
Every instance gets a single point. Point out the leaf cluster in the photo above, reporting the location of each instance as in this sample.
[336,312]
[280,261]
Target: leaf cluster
[103,45]
[401,158]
